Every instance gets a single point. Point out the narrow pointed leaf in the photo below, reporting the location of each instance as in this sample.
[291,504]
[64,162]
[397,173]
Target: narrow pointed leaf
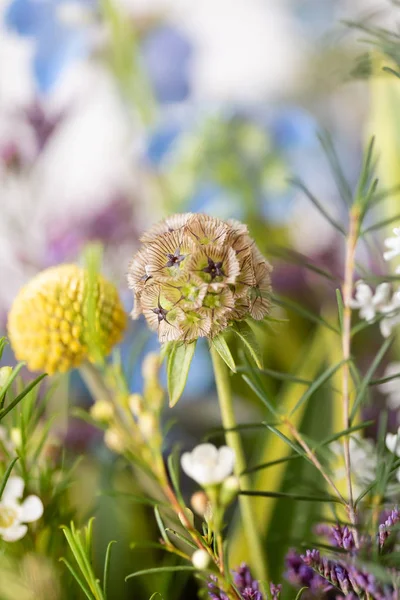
[221,346]
[161,526]
[178,365]
[317,384]
[303,312]
[277,375]
[107,568]
[366,380]
[246,335]
[77,578]
[157,570]
[300,497]
[21,396]
[6,476]
[300,185]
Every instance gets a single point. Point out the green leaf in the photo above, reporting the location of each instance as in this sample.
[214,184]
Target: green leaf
[173,469]
[384,379]
[337,171]
[303,312]
[178,365]
[339,301]
[300,497]
[300,593]
[366,380]
[277,375]
[271,463]
[155,571]
[317,384]
[21,396]
[259,390]
[300,185]
[181,537]
[161,526]
[220,345]
[7,474]
[75,575]
[3,344]
[246,335]
[381,224]
[9,381]
[107,568]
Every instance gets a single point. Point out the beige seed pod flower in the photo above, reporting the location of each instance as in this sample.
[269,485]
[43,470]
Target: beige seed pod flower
[194,275]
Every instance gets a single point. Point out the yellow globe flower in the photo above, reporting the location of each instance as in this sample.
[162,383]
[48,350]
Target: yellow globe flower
[48,322]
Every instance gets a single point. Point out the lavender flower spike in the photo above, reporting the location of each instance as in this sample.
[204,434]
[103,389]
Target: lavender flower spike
[385,528]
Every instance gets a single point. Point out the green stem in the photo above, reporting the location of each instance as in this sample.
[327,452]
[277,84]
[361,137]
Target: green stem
[233,440]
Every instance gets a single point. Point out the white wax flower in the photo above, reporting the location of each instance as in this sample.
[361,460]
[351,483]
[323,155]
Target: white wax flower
[14,514]
[208,465]
[368,302]
[391,389]
[394,244]
[393,442]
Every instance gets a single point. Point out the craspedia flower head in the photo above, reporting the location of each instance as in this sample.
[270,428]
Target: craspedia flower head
[195,274]
[48,322]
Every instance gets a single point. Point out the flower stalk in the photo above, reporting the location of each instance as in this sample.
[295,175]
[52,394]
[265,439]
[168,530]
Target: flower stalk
[347,293]
[234,441]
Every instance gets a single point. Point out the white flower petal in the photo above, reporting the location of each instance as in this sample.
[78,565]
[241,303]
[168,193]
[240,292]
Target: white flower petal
[398,475]
[368,313]
[14,489]
[382,294]
[393,443]
[187,464]
[226,460]
[13,534]
[364,293]
[31,509]
[205,452]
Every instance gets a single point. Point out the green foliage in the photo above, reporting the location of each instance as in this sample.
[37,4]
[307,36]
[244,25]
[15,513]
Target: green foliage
[80,544]
[179,359]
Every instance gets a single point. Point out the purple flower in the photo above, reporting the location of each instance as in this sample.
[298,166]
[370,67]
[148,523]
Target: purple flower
[275,590]
[385,527]
[246,585]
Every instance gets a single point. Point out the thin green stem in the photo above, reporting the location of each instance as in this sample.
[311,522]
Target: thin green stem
[233,440]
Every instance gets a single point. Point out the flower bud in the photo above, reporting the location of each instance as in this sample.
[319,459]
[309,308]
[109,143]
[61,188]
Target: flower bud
[135,402]
[151,366]
[147,425]
[113,440]
[102,411]
[199,502]
[188,516]
[200,559]
[229,490]
[16,436]
[5,373]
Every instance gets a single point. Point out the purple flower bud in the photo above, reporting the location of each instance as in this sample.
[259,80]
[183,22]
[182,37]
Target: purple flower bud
[275,590]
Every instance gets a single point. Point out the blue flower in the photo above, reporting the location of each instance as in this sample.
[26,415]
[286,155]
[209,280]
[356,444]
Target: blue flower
[57,44]
[166,55]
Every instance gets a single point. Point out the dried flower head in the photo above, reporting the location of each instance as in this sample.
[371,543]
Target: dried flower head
[48,321]
[196,274]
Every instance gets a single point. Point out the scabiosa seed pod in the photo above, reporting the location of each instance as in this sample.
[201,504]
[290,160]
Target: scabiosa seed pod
[195,274]
[48,322]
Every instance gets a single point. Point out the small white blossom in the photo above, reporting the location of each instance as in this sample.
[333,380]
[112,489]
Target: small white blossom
[208,465]
[394,244]
[364,460]
[391,389]
[368,302]
[14,514]
[393,442]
